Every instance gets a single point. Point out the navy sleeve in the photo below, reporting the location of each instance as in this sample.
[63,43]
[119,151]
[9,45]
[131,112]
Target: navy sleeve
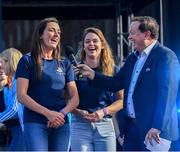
[112,84]
[23,68]
[113,95]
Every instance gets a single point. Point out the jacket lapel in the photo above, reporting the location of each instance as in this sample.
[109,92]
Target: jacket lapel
[130,67]
[147,65]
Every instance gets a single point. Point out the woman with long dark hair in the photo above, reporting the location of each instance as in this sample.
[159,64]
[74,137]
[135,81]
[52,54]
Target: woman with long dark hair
[43,76]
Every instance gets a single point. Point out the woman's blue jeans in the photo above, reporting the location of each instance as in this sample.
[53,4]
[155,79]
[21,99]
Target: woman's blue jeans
[40,138]
[96,136]
[17,143]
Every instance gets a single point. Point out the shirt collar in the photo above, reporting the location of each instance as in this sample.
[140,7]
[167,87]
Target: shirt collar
[146,51]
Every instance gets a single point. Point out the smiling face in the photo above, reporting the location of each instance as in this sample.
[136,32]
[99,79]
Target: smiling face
[92,45]
[51,36]
[136,36]
[5,65]
[9,59]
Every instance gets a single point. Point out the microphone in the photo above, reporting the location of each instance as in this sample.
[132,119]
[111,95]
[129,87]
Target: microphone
[69,51]
[70,54]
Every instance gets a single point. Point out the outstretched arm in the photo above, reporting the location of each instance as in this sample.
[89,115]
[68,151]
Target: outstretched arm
[112,84]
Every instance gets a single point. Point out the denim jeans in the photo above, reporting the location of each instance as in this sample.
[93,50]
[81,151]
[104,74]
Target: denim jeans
[40,138]
[18,142]
[96,136]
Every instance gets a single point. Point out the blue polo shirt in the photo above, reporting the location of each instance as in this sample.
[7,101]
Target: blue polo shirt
[49,91]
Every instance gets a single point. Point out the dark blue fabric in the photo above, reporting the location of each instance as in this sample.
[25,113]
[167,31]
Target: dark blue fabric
[133,140]
[2,105]
[92,98]
[155,92]
[49,91]
[10,122]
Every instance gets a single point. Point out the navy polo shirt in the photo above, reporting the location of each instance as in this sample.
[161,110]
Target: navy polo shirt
[49,91]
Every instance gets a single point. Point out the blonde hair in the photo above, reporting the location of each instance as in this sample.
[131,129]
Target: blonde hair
[12,56]
[106,61]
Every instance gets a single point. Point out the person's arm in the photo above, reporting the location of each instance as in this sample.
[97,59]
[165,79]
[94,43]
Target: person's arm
[112,84]
[117,130]
[11,108]
[72,97]
[109,110]
[22,85]
[113,108]
[80,112]
[116,105]
[72,100]
[10,101]
[75,111]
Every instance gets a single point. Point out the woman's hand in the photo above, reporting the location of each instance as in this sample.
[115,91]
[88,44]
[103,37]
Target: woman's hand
[80,112]
[95,116]
[55,119]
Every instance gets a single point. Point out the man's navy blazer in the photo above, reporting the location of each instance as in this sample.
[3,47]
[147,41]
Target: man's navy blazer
[155,92]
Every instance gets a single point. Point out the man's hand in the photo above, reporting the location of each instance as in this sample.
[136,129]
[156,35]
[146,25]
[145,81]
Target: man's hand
[86,71]
[121,140]
[153,133]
